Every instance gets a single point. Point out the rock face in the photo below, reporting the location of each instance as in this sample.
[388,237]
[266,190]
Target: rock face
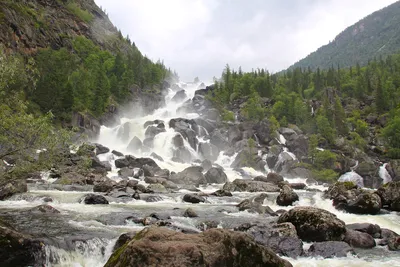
[330,249]
[215,248]
[17,249]
[313,224]
[216,176]
[10,188]
[250,186]
[287,196]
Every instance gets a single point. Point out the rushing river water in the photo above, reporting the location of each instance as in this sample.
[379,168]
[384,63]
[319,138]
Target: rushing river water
[84,235]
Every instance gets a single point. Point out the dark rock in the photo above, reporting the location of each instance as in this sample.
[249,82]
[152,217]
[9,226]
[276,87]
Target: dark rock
[387,234]
[179,96]
[187,128]
[274,178]
[190,213]
[313,224]
[298,145]
[178,141]
[358,239]
[9,188]
[135,144]
[116,153]
[190,176]
[372,229]
[152,131]
[92,199]
[262,131]
[206,164]
[192,198]
[215,247]
[250,186]
[222,193]
[330,249]
[105,186]
[297,186]
[169,185]
[44,209]
[209,151]
[216,176]
[149,123]
[248,158]
[219,139]
[123,239]
[126,172]
[287,196]
[152,199]
[183,155]
[157,157]
[100,149]
[365,203]
[390,195]
[154,180]
[132,162]
[394,243]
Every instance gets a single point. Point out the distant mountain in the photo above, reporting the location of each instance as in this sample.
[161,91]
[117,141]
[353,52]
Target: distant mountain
[376,35]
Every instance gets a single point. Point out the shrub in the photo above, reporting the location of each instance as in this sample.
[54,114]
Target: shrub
[75,9]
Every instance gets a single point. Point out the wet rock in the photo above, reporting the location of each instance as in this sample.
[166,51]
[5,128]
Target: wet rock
[178,141]
[207,124]
[123,239]
[149,123]
[100,149]
[345,189]
[179,96]
[135,144]
[151,199]
[313,224]
[193,198]
[18,249]
[206,164]
[209,151]
[272,177]
[155,180]
[152,131]
[297,186]
[157,188]
[101,167]
[9,188]
[187,128]
[219,139]
[372,229]
[126,172]
[157,157]
[216,176]
[365,203]
[330,249]
[298,145]
[262,131]
[394,244]
[170,185]
[92,199]
[390,195]
[116,153]
[132,162]
[44,209]
[387,234]
[183,155]
[190,213]
[250,186]
[215,247]
[105,186]
[287,196]
[222,193]
[190,176]
[358,239]
[248,158]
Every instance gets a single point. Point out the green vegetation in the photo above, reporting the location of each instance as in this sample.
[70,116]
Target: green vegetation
[377,35]
[75,9]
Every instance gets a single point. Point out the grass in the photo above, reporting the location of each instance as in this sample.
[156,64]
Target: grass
[75,9]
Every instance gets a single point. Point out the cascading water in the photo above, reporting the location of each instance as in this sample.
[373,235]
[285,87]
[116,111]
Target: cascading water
[84,235]
[384,174]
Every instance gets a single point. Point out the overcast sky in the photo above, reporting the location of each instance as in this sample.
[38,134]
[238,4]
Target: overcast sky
[198,37]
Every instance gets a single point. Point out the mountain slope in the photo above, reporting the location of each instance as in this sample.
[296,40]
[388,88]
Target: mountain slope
[376,35]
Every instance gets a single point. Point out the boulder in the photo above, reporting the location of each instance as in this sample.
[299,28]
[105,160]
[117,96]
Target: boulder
[9,188]
[154,180]
[105,186]
[178,141]
[298,145]
[365,203]
[274,178]
[215,247]
[216,176]
[262,131]
[157,157]
[123,239]
[298,186]
[287,196]
[17,249]
[100,149]
[250,186]
[183,155]
[44,209]
[190,176]
[358,239]
[219,139]
[372,229]
[222,193]
[207,124]
[330,249]
[255,205]
[156,188]
[313,224]
[187,128]
[135,144]
[179,96]
[190,213]
[152,131]
[126,172]
[390,195]
[248,158]
[116,153]
[132,162]
[206,164]
[394,243]
[92,199]
[193,198]
[209,151]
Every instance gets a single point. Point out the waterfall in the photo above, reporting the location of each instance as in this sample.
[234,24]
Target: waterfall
[384,174]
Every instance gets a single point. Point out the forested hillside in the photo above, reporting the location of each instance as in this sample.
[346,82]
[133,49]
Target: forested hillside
[353,112]
[375,36]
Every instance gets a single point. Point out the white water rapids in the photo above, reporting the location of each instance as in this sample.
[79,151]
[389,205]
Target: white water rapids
[99,221]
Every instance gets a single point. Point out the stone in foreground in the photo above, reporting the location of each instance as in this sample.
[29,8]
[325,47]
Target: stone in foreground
[214,248]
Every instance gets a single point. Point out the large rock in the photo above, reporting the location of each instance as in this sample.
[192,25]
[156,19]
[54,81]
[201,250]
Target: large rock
[358,239]
[209,151]
[216,176]
[372,229]
[105,186]
[255,205]
[287,196]
[132,162]
[213,248]
[390,195]
[92,199]
[187,128]
[262,131]
[313,224]
[250,186]
[190,176]
[330,249]
[394,244]
[152,131]
[219,139]
[298,145]
[100,149]
[135,144]
[9,188]
[17,249]
[193,198]
[179,96]
[365,203]
[248,158]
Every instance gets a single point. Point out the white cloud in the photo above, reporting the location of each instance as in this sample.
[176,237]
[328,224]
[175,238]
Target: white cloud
[198,37]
